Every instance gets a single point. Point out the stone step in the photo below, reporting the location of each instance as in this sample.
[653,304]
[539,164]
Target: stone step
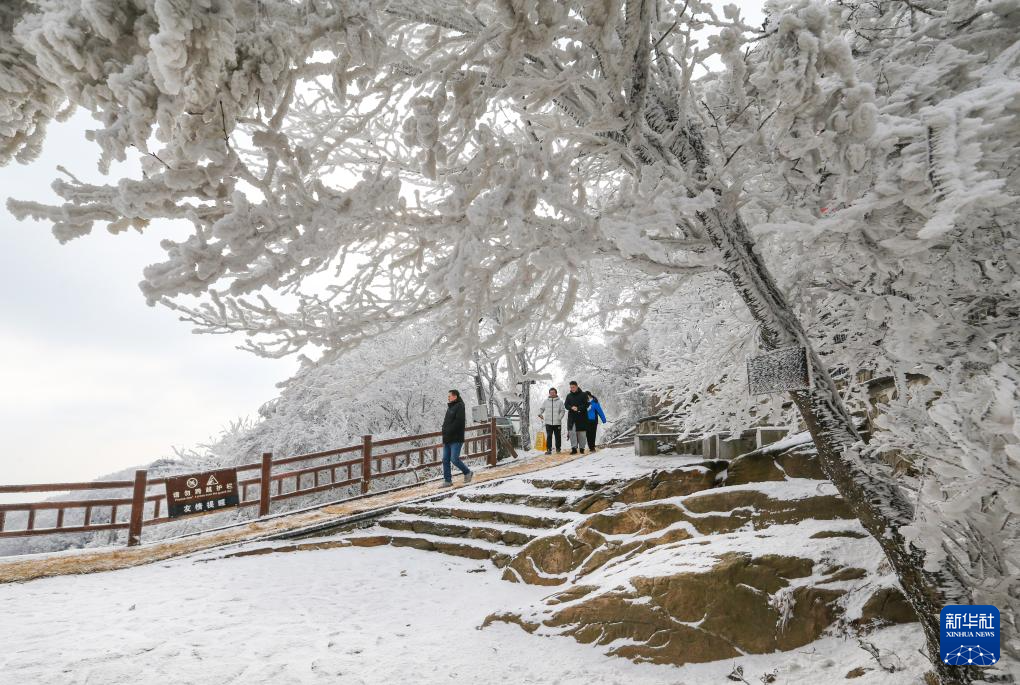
[498,554]
[489,532]
[500,513]
[537,501]
[574,483]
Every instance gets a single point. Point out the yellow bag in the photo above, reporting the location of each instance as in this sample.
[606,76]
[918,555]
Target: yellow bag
[540,441]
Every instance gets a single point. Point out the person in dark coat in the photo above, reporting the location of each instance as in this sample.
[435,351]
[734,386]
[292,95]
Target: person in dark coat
[576,403]
[594,414]
[453,438]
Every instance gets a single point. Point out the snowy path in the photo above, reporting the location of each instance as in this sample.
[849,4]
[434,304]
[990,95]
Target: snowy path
[344,615]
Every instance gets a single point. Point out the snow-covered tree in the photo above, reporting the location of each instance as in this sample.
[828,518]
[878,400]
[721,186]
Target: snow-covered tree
[27,100]
[904,253]
[351,167]
[385,388]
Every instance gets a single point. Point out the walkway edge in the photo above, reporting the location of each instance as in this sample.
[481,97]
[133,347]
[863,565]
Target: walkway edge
[279,526]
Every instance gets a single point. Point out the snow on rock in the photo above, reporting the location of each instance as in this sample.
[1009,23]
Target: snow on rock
[686,570]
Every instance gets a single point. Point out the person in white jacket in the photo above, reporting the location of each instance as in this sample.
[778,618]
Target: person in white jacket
[551,412]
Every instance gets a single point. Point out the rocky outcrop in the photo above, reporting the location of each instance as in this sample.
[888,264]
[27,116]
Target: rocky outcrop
[886,606]
[556,559]
[730,609]
[708,561]
[765,465]
[655,486]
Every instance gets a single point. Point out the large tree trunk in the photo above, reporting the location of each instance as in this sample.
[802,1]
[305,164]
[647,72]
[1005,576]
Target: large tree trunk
[868,489]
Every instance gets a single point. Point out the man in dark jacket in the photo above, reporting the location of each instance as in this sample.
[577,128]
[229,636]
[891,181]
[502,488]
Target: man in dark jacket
[576,403]
[453,438]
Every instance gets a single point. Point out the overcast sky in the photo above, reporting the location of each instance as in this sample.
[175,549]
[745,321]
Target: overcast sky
[94,380]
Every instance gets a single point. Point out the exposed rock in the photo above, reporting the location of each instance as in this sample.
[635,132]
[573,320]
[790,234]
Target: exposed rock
[814,610]
[846,574]
[573,484]
[887,605]
[547,560]
[283,549]
[719,579]
[801,462]
[370,540]
[761,509]
[654,486]
[576,592]
[761,466]
[538,501]
[701,616]
[821,535]
[507,617]
[753,467]
[459,530]
[508,517]
[550,560]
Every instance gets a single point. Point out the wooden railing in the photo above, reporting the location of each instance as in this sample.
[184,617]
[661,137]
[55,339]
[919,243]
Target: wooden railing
[271,480]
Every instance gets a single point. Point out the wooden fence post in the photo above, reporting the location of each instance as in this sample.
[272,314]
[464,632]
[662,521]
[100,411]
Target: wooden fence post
[366,463]
[492,441]
[265,483]
[137,509]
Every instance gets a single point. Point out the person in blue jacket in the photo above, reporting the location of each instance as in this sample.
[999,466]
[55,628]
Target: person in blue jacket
[594,414]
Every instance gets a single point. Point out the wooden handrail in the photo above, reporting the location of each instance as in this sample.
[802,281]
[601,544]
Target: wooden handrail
[64,487]
[65,504]
[309,469]
[317,455]
[401,453]
[335,474]
[422,436]
[73,503]
[409,438]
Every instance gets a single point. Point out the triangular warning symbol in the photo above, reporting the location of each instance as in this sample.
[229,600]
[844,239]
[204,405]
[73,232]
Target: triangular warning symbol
[213,481]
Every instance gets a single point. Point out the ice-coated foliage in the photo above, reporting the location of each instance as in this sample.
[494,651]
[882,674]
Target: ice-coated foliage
[352,167]
[27,100]
[384,390]
[903,262]
[293,136]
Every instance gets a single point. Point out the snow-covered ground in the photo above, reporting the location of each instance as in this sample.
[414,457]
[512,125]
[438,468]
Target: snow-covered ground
[616,463]
[350,615]
[378,615]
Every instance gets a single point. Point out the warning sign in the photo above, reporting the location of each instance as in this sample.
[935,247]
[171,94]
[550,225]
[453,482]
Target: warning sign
[202,493]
